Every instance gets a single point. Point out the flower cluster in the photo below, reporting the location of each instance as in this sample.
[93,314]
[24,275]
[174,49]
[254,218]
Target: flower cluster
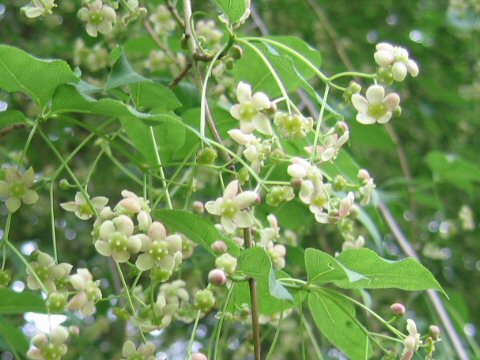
[171,298]
[49,347]
[268,238]
[256,150]
[16,188]
[94,59]
[162,20]
[88,292]
[38,8]
[375,107]
[208,35]
[333,140]
[52,275]
[159,60]
[293,126]
[232,207]
[396,59]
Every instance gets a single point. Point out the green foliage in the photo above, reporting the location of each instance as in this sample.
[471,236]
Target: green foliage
[19,303]
[20,71]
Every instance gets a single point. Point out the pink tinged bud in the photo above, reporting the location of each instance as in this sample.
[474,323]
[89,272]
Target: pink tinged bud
[397,309]
[40,340]
[199,356]
[74,330]
[217,277]
[130,204]
[198,207]
[78,301]
[219,247]
[434,331]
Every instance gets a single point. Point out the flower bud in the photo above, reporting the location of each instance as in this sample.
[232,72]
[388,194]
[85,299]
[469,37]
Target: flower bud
[56,302]
[397,309]
[434,331]
[73,330]
[385,76]
[226,262]
[206,156]
[219,247]
[122,314]
[217,277]
[199,356]
[204,300]
[236,52]
[198,207]
[5,278]
[339,183]
[64,184]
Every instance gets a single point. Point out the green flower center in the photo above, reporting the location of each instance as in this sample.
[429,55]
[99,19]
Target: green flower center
[42,273]
[136,356]
[377,110]
[17,189]
[118,242]
[159,249]
[85,210]
[320,201]
[247,111]
[96,18]
[52,352]
[228,209]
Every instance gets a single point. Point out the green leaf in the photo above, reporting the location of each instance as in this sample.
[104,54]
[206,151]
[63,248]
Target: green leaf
[301,47]
[37,78]
[153,95]
[11,117]
[379,273]
[233,9]
[195,227]
[272,296]
[13,337]
[454,170]
[122,74]
[323,268]
[335,318]
[19,303]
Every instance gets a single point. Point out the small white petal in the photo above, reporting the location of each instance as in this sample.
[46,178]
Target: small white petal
[383,57]
[103,248]
[247,127]
[392,101]
[365,119]
[385,118]
[261,101]
[360,103]
[384,46]
[107,229]
[399,71]
[235,111]
[213,207]
[412,68]
[244,92]
[144,262]
[243,219]
[245,199]
[231,190]
[228,225]
[262,124]
[121,256]
[375,94]
[128,348]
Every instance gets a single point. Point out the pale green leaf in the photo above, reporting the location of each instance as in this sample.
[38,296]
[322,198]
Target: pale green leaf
[335,318]
[37,78]
[233,9]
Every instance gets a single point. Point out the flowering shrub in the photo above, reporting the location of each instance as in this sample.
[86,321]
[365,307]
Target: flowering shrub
[224,179]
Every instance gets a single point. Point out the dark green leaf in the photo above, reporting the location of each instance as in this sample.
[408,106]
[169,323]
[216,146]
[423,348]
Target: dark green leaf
[19,303]
[13,337]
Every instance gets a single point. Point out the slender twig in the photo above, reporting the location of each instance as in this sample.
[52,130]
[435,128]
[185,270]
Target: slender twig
[173,10]
[7,130]
[180,76]
[252,283]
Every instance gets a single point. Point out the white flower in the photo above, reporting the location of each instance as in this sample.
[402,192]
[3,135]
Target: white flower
[412,341]
[256,150]
[160,250]
[346,205]
[38,8]
[249,110]
[293,126]
[99,18]
[49,347]
[335,138]
[88,292]
[82,208]
[16,189]
[368,186]
[131,204]
[272,232]
[397,58]
[116,239]
[376,107]
[47,271]
[231,207]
